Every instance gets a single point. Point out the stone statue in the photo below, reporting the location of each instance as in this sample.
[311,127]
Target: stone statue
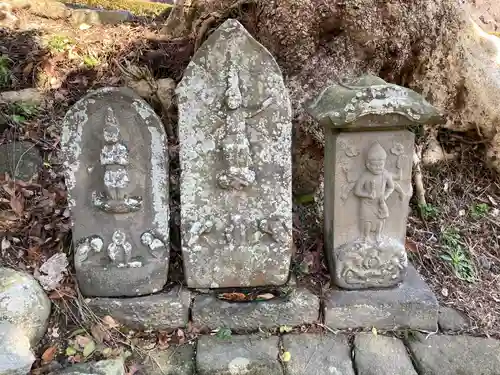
[114,159]
[235,154]
[116,171]
[365,231]
[374,187]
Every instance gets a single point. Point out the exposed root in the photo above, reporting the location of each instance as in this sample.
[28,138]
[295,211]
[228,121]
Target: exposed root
[417,176]
[204,23]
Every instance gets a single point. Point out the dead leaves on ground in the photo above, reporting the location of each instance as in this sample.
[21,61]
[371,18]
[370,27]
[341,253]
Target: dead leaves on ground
[242,297]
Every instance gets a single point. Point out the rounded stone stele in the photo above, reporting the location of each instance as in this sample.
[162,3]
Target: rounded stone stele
[23,303]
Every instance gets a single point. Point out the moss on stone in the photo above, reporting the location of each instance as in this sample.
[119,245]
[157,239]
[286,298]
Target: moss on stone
[138,8]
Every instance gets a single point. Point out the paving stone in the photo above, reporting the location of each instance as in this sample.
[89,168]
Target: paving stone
[238,355]
[175,360]
[21,160]
[301,307]
[158,312]
[410,305]
[27,96]
[451,319]
[381,355]
[456,355]
[315,354]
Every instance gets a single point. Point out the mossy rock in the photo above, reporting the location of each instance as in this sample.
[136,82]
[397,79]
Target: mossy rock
[138,8]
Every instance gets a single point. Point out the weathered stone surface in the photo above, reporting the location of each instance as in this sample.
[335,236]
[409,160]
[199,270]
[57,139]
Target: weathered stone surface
[21,160]
[238,355]
[451,319]
[158,312]
[454,355]
[44,8]
[99,16]
[235,155]
[23,303]
[52,272]
[107,367]
[370,177]
[16,357]
[116,166]
[314,354]
[381,355]
[301,307]
[29,96]
[410,305]
[176,360]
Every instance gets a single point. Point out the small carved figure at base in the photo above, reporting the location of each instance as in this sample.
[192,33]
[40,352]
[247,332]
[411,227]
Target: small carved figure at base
[274,228]
[156,246]
[361,265]
[120,250]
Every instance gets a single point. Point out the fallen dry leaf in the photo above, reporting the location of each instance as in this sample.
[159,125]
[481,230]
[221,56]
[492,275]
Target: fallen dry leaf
[49,354]
[17,204]
[110,322]
[265,297]
[82,341]
[100,333]
[234,296]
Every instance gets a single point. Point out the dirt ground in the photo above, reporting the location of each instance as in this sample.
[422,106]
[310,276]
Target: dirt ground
[454,240]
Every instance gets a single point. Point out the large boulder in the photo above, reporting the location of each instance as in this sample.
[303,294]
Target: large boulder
[23,303]
[16,357]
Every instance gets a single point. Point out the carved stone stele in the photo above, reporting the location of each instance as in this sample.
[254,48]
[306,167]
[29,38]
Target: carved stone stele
[116,168]
[368,162]
[235,154]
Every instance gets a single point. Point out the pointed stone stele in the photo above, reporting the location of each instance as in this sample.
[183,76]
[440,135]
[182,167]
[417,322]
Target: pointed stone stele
[235,154]
[116,168]
[368,186]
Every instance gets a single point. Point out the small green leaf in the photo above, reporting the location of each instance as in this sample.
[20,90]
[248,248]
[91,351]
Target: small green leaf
[89,348]
[224,333]
[18,118]
[70,351]
[306,198]
[78,332]
[286,329]
[286,357]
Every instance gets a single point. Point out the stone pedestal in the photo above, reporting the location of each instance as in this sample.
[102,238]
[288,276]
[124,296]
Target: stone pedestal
[367,184]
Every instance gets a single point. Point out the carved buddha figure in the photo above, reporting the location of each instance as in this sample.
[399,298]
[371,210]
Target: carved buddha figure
[114,159]
[374,187]
[235,145]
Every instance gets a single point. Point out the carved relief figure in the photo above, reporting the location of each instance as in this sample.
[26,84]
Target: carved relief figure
[114,159]
[234,141]
[374,187]
[372,259]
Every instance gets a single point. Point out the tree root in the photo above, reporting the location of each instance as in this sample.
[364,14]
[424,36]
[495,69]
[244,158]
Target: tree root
[417,176]
[204,23]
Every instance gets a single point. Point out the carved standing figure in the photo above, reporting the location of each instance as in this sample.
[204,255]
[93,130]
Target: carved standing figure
[114,158]
[374,187]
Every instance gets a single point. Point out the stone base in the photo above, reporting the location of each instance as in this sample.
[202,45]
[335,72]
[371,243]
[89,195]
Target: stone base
[157,312]
[410,305]
[300,307]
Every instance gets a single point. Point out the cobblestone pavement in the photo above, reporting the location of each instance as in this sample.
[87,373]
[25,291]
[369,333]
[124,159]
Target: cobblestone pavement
[331,354]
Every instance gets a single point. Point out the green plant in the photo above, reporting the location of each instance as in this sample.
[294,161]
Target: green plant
[223,333]
[479,210]
[456,255]
[58,43]
[428,211]
[21,112]
[5,73]
[91,61]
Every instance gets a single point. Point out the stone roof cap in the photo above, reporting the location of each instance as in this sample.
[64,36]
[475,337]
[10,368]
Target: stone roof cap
[343,105]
